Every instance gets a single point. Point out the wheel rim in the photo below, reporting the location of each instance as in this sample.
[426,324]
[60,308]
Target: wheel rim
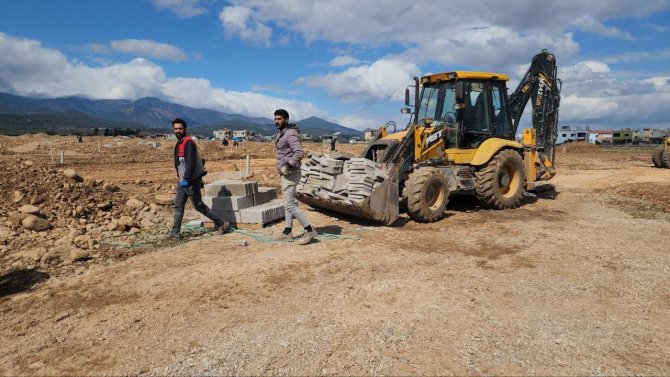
[508,180]
[434,195]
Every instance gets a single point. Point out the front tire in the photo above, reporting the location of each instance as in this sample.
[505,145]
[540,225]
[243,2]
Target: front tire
[500,184]
[665,159]
[427,193]
[657,157]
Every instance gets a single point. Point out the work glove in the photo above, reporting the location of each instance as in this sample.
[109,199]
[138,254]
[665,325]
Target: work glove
[284,170]
[183,183]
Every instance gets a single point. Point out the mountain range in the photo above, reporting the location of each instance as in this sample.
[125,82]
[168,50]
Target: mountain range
[62,115]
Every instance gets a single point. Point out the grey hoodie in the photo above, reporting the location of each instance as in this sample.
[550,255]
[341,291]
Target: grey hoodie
[289,148]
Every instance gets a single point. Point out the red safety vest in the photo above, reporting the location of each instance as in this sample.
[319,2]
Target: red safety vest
[182,144]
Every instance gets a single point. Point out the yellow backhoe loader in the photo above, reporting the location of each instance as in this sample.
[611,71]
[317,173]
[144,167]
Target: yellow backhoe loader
[461,139]
[661,156]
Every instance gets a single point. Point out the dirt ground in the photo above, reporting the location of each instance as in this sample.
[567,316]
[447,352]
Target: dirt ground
[572,283]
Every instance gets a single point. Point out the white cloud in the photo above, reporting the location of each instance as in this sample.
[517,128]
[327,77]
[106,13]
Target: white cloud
[200,93]
[239,20]
[616,103]
[182,8]
[586,22]
[583,109]
[147,48]
[385,79]
[637,56]
[343,60]
[661,83]
[585,70]
[97,48]
[657,28]
[28,69]
[274,89]
[385,21]
[361,121]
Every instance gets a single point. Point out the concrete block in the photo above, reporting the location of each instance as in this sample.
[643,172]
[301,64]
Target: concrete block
[229,203]
[231,187]
[264,195]
[330,170]
[232,217]
[263,214]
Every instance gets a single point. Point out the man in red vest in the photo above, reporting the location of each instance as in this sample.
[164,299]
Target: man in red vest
[190,171]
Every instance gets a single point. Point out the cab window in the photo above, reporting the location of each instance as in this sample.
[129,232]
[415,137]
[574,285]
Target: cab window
[501,123]
[476,119]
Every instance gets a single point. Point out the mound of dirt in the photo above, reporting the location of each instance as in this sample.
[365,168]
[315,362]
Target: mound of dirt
[655,195]
[53,217]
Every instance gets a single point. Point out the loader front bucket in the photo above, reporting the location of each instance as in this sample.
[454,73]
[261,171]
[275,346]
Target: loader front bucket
[356,187]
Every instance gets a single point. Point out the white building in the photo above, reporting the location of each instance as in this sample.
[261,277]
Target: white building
[241,134]
[601,136]
[654,135]
[169,136]
[568,134]
[223,134]
[369,134]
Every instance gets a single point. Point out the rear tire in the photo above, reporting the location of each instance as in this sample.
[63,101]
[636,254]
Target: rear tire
[657,157]
[427,193]
[500,184]
[665,159]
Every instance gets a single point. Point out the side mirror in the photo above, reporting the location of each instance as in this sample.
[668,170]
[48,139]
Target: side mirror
[406,97]
[460,92]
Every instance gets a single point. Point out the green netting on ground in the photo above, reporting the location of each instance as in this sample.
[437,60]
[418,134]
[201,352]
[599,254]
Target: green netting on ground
[266,238]
[190,232]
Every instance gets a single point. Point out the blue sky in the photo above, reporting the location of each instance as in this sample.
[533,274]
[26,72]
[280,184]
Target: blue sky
[347,61]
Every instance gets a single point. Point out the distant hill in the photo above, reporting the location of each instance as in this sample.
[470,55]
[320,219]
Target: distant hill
[147,113]
[317,126]
[69,122]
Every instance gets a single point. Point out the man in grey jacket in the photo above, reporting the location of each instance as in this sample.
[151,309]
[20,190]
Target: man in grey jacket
[289,154]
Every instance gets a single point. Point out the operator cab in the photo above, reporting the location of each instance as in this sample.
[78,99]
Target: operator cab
[470,106]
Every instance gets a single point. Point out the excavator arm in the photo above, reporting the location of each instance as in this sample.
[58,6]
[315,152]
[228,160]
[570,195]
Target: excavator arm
[541,86]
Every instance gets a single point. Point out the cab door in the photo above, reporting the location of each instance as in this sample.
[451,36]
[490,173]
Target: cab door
[476,118]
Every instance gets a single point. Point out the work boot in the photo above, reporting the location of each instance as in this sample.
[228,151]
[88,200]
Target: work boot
[307,237]
[172,237]
[283,237]
[222,228]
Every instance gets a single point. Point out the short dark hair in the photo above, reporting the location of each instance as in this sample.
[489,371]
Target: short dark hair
[179,121]
[281,112]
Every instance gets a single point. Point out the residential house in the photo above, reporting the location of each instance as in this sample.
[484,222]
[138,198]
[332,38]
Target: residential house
[369,134]
[169,136]
[654,135]
[626,136]
[601,137]
[568,134]
[242,134]
[223,134]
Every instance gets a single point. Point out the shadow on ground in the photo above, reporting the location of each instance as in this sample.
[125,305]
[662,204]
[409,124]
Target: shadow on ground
[329,229]
[546,191]
[18,281]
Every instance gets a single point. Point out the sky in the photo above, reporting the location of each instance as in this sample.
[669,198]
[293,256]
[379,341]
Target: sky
[346,61]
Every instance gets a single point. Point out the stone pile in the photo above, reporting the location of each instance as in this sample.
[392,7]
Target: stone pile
[243,202]
[347,179]
[52,217]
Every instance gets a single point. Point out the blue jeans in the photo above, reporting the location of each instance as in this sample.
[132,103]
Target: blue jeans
[183,193]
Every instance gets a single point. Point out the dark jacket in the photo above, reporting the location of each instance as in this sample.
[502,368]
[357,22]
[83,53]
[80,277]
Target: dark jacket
[289,148]
[193,167]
